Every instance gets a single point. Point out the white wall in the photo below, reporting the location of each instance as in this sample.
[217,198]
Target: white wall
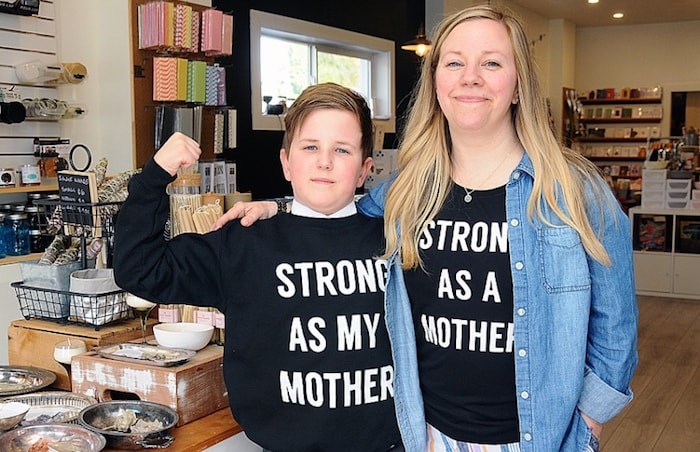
[665,54]
[97,35]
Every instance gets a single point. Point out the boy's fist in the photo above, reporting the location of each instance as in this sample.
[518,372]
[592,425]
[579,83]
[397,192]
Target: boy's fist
[180,151]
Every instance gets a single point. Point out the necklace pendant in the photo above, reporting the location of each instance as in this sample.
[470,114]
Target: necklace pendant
[468,198]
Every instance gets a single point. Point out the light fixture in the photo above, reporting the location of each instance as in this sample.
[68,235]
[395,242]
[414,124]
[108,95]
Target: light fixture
[592,1]
[618,16]
[420,44]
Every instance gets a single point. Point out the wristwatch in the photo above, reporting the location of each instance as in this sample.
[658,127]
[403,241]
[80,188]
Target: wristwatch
[282,205]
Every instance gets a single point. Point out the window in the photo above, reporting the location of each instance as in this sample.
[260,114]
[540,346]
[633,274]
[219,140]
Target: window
[287,55]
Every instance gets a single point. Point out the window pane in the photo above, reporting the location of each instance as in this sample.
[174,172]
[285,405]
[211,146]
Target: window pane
[345,70]
[284,69]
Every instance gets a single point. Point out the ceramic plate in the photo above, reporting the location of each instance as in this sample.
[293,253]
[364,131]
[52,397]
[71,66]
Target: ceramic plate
[145,354]
[22,379]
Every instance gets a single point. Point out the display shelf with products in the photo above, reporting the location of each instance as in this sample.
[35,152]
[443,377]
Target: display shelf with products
[629,116]
[182,59]
[614,128]
[666,244]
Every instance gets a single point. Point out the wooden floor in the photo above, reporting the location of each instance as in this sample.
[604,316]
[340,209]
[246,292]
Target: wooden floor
[665,413]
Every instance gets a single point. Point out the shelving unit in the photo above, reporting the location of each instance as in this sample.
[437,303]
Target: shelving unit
[666,251]
[145,106]
[616,137]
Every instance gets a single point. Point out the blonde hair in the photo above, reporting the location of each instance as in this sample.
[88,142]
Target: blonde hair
[425,165]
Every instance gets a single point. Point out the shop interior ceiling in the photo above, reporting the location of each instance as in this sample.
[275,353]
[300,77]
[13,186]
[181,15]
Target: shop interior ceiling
[583,14]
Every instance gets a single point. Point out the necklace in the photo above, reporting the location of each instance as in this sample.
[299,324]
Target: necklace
[468,193]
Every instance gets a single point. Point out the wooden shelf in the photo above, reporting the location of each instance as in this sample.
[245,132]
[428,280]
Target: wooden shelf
[15,259]
[51,186]
[615,159]
[611,140]
[619,120]
[645,100]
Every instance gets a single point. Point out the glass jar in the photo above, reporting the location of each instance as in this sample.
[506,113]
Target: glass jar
[4,236]
[36,215]
[19,238]
[32,198]
[36,241]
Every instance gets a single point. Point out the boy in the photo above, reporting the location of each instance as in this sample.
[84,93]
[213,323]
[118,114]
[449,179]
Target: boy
[307,358]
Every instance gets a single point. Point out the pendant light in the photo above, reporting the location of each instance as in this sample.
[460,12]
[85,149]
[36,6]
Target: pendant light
[420,44]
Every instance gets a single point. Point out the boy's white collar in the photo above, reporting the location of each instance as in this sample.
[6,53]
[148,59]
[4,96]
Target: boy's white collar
[303,211]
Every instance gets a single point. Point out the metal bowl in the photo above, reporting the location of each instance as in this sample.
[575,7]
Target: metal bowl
[52,407]
[102,415]
[23,379]
[11,414]
[57,436]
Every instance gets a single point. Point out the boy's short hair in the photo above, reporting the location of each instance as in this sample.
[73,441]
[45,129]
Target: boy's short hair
[331,96]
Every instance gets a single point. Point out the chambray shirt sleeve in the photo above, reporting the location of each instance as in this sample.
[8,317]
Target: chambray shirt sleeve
[372,204]
[611,355]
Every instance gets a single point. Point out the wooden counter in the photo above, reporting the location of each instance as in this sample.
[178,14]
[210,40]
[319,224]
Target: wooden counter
[202,433]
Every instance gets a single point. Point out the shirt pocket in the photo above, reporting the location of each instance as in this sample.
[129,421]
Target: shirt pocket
[563,261]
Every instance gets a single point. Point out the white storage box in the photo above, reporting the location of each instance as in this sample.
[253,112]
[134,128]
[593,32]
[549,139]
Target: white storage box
[653,204]
[654,174]
[653,185]
[674,195]
[653,195]
[679,184]
[677,204]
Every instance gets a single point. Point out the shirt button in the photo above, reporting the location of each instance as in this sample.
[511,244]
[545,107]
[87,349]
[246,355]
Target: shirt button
[527,436]
[516,175]
[522,353]
[524,395]
[519,265]
[514,222]
[521,312]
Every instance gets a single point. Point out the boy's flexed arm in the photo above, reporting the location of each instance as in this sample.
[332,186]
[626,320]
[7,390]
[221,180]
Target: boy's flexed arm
[181,270]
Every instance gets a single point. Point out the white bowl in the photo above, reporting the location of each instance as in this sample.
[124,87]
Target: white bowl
[190,336]
[11,414]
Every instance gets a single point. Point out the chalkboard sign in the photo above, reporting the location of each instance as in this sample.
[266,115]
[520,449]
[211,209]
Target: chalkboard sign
[77,192]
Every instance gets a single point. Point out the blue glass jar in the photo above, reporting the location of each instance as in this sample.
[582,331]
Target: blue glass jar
[4,236]
[19,240]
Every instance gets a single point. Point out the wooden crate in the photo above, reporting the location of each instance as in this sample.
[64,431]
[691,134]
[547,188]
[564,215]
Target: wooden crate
[31,342]
[194,389]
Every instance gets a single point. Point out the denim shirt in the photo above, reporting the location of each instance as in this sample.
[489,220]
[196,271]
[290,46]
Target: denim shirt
[575,323]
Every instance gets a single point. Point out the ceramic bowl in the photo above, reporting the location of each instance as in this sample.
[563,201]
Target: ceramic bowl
[189,336]
[11,414]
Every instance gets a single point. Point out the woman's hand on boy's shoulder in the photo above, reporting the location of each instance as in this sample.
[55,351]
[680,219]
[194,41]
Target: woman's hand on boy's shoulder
[180,151]
[248,212]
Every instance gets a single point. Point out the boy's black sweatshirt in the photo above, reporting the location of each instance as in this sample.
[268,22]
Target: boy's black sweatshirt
[307,361]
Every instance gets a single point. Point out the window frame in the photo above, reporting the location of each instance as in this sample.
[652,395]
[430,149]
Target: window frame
[379,50]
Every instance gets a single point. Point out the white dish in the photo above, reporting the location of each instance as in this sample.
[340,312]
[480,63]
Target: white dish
[189,336]
[11,414]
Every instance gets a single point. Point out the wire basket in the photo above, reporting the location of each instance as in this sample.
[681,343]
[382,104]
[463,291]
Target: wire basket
[83,221]
[80,220]
[72,307]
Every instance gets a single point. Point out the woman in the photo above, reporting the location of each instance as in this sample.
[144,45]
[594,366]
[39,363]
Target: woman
[510,296]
